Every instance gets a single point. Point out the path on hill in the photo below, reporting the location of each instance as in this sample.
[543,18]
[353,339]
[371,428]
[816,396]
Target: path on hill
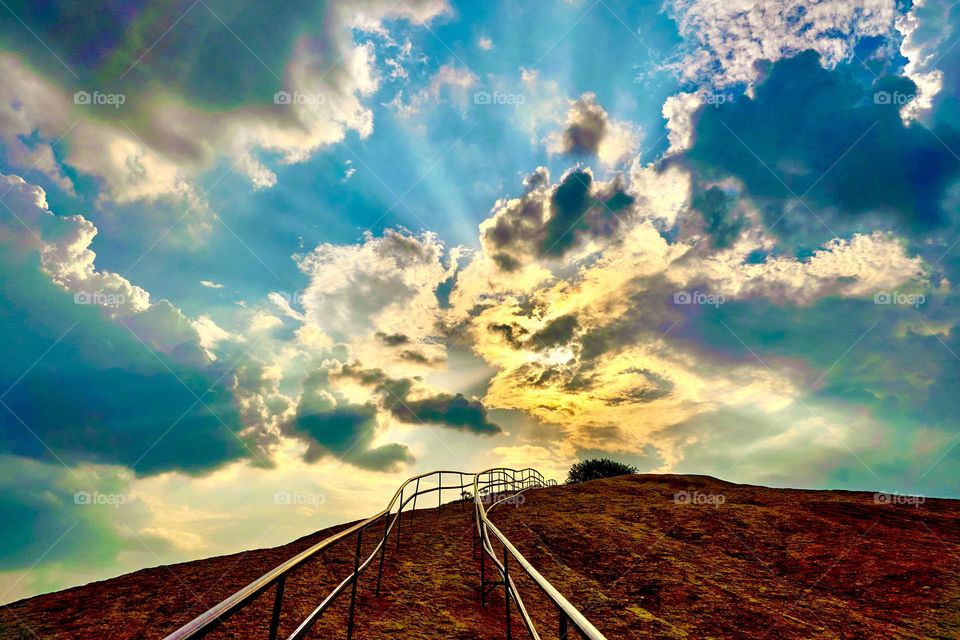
[431,590]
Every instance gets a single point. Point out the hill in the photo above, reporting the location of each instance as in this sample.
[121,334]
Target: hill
[643,556]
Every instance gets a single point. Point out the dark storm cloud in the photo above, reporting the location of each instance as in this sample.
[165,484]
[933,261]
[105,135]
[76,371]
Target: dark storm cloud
[548,221]
[578,212]
[510,333]
[834,137]
[91,391]
[453,411]
[393,339]
[344,430]
[558,332]
[719,217]
[448,410]
[416,356]
[102,45]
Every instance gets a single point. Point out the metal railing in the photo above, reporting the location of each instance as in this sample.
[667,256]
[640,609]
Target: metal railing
[504,479]
[512,483]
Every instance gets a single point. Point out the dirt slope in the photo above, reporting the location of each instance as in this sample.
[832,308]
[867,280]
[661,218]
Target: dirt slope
[732,561]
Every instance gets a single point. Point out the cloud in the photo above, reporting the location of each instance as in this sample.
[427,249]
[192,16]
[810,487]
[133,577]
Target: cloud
[453,411]
[557,332]
[589,131]
[384,286]
[410,401]
[853,268]
[333,426]
[830,446]
[210,284]
[485,44]
[929,29]
[594,336]
[726,41]
[112,353]
[450,82]
[825,135]
[678,110]
[211,334]
[548,221]
[50,512]
[161,142]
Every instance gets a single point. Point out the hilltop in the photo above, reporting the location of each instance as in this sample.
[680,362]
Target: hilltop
[721,560]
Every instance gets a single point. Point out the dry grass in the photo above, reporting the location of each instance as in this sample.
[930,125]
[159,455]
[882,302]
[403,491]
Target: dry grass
[766,563]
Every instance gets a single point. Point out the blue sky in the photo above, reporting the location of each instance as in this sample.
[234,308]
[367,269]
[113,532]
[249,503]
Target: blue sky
[262,263]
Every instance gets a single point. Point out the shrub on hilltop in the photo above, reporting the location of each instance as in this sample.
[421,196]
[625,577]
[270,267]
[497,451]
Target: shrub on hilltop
[597,468]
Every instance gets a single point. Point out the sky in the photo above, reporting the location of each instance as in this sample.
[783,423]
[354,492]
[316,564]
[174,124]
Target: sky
[262,262]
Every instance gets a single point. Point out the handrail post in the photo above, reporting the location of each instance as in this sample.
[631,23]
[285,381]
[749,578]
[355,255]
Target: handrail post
[356,579]
[277,605]
[439,491]
[383,549]
[563,625]
[483,574]
[506,587]
[400,516]
[413,512]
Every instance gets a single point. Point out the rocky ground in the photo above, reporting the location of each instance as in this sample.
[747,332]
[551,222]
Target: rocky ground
[722,561]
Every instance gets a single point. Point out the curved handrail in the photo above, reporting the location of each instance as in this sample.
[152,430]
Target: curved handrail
[484,527]
[210,619]
[530,478]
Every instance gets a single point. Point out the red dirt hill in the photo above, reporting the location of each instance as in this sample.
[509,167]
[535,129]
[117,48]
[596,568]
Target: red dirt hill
[726,561]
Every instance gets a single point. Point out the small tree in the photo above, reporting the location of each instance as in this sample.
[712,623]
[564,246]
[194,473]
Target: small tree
[597,468]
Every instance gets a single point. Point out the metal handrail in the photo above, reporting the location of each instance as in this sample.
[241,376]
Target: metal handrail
[567,612]
[208,621]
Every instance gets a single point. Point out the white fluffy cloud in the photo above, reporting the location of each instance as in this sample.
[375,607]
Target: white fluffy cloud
[380,293]
[63,244]
[927,37]
[854,268]
[726,39]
